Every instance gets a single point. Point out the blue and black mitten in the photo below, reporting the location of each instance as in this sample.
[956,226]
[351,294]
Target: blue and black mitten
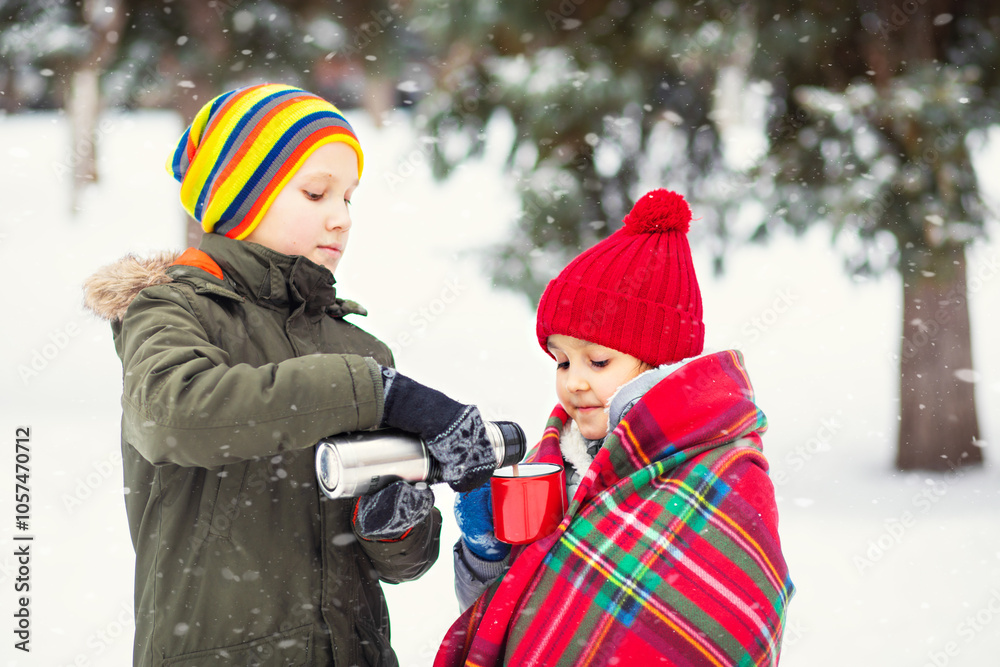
[387,514]
[454,432]
[474,513]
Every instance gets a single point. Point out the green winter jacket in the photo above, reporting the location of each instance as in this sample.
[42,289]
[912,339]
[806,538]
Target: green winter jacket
[237,360]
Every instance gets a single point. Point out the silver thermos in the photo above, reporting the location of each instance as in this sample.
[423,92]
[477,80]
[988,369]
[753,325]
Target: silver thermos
[362,462]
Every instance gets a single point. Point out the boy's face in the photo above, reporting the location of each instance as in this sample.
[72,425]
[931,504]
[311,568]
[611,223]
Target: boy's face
[310,215]
[587,376]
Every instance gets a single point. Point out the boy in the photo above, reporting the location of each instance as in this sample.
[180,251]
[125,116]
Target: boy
[237,360]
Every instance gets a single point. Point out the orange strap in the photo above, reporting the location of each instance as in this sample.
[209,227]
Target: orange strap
[200,260]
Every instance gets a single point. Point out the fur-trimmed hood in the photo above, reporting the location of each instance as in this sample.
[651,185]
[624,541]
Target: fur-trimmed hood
[113,287]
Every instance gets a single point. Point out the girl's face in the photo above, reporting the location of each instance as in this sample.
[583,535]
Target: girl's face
[587,375]
[310,215]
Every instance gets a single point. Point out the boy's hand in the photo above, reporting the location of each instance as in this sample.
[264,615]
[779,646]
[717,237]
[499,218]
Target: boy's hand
[389,513]
[474,513]
[453,432]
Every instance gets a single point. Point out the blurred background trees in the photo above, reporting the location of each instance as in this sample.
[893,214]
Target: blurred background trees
[861,116]
[868,114]
[87,55]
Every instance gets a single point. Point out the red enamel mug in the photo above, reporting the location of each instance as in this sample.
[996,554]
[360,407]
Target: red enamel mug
[529,506]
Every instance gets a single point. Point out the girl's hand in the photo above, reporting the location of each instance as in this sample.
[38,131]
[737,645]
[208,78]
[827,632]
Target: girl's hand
[474,513]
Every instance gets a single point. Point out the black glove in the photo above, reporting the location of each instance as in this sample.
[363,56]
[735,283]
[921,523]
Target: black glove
[453,432]
[389,513]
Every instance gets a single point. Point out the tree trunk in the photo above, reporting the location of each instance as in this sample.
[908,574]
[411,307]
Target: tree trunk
[196,79]
[85,106]
[8,95]
[105,20]
[379,98]
[938,428]
[192,231]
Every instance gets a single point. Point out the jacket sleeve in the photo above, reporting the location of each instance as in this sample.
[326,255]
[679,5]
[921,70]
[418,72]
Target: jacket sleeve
[184,403]
[473,575]
[411,556]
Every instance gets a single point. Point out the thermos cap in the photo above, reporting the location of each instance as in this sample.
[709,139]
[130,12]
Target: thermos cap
[328,468]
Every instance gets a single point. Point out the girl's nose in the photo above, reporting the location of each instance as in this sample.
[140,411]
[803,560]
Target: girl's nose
[575,382]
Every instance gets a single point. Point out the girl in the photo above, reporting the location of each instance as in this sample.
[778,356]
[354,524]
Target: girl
[669,551]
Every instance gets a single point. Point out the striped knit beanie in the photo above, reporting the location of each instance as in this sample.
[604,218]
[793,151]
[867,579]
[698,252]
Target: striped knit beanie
[244,145]
[635,291]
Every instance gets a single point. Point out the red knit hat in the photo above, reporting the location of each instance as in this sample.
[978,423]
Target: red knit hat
[635,291]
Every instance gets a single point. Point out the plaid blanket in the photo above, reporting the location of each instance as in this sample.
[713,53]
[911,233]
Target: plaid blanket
[668,554]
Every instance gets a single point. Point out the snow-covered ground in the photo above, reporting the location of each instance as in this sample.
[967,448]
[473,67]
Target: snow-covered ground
[891,569]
